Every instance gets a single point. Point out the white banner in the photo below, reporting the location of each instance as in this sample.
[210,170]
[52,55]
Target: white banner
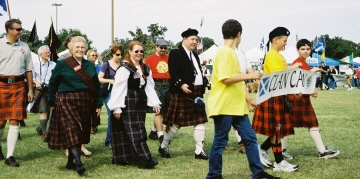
[340,79]
[290,81]
[343,68]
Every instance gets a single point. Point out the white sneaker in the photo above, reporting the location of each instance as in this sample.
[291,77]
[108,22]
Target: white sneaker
[329,154]
[349,88]
[285,166]
[286,155]
[264,157]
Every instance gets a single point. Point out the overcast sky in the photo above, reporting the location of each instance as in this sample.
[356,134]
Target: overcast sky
[307,18]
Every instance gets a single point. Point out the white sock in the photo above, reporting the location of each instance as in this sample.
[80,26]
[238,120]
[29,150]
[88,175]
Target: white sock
[316,137]
[284,142]
[168,136]
[238,138]
[160,133]
[12,139]
[199,136]
[1,134]
[153,128]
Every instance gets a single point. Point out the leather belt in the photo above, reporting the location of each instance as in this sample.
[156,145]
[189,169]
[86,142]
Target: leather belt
[164,80]
[11,79]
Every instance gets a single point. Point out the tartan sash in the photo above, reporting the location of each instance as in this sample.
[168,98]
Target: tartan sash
[81,73]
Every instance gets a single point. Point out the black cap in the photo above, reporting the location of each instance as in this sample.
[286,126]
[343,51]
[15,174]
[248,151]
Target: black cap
[279,31]
[189,32]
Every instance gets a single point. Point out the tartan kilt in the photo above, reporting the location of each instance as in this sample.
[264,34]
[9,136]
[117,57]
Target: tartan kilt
[181,111]
[129,133]
[303,114]
[13,99]
[44,105]
[271,118]
[70,122]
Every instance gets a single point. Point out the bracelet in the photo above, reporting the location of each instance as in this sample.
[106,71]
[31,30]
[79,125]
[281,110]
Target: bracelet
[30,91]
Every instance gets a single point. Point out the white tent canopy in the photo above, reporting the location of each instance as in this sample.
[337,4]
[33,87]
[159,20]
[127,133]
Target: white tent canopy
[290,54]
[209,54]
[254,55]
[357,59]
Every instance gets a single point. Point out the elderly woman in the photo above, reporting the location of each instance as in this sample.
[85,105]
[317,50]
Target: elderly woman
[74,89]
[93,57]
[106,77]
[133,89]
[41,74]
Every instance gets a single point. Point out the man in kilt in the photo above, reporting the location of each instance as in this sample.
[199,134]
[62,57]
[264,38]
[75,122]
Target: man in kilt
[15,61]
[186,84]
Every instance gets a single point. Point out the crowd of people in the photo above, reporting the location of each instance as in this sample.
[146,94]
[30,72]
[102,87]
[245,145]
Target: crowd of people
[73,90]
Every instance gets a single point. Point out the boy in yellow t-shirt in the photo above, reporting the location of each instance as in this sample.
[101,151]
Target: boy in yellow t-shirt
[227,104]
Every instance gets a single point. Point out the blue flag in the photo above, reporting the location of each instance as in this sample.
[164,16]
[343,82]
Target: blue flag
[320,47]
[262,44]
[3,7]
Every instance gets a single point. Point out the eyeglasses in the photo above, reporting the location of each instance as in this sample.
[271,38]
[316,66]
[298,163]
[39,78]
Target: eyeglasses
[137,51]
[94,55]
[18,29]
[118,54]
[162,48]
[47,52]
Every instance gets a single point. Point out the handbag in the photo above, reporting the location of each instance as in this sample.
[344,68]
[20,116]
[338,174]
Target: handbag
[105,88]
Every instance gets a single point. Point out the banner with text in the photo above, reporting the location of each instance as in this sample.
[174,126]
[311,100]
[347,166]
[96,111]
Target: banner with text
[340,79]
[290,81]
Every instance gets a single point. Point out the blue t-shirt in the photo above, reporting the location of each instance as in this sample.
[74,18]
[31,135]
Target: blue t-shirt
[104,69]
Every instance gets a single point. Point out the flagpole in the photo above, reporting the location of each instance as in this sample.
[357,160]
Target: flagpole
[7,1]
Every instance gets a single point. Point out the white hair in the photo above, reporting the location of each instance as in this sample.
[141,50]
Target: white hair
[41,49]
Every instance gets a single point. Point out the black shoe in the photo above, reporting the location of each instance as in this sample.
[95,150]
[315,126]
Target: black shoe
[161,138]
[164,153]
[19,137]
[150,163]
[70,166]
[22,123]
[264,175]
[80,169]
[1,154]
[11,162]
[202,156]
[39,131]
[153,135]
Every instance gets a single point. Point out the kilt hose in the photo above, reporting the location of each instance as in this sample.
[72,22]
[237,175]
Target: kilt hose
[181,110]
[303,114]
[13,99]
[128,133]
[70,122]
[271,118]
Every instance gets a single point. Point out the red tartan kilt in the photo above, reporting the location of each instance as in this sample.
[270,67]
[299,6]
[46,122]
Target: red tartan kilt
[271,118]
[303,114]
[13,99]
[71,120]
[181,111]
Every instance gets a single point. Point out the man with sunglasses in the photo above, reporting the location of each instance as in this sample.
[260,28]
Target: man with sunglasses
[15,61]
[186,85]
[158,63]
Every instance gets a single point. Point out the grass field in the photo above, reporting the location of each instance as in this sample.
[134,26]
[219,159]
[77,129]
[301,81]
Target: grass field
[337,111]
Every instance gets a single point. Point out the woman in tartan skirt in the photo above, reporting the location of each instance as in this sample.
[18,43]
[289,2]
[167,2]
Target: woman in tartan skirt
[133,89]
[74,94]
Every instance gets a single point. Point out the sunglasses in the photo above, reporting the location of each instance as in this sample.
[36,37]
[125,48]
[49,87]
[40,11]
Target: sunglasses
[162,48]
[117,54]
[18,29]
[94,55]
[137,51]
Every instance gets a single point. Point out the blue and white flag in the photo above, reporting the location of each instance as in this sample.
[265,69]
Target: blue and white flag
[3,7]
[262,44]
[320,47]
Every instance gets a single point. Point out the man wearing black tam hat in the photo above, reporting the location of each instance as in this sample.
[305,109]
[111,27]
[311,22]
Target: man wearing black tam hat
[186,84]
[272,117]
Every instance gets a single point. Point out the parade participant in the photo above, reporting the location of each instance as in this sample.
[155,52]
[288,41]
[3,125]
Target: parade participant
[15,57]
[106,78]
[41,74]
[186,84]
[229,89]
[133,89]
[271,117]
[74,94]
[302,114]
[158,63]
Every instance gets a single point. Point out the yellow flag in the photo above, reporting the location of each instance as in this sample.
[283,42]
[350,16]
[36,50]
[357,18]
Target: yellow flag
[323,56]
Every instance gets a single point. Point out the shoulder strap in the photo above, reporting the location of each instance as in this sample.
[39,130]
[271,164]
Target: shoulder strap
[108,70]
[132,69]
[81,73]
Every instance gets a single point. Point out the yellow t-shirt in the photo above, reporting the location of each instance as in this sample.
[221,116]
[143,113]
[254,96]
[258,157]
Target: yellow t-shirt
[274,62]
[226,99]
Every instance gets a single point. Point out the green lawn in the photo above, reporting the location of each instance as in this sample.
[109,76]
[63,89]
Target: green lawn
[337,112]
